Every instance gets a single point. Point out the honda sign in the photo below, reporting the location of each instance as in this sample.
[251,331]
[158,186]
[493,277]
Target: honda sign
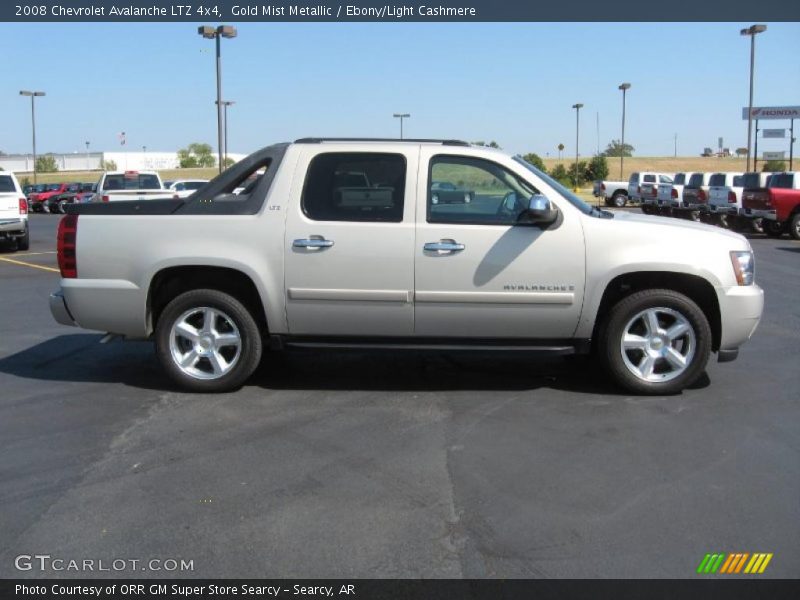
[773,112]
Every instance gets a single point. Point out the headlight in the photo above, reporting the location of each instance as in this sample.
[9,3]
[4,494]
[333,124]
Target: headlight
[743,266]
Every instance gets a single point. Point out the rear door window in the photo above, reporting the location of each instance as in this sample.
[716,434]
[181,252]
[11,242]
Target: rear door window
[355,186]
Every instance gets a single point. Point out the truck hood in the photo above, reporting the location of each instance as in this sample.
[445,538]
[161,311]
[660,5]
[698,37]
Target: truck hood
[668,225]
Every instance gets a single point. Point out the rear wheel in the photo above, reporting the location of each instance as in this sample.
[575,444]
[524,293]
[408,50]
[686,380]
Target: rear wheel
[24,242]
[655,342]
[794,226]
[619,199]
[757,225]
[773,229]
[208,341]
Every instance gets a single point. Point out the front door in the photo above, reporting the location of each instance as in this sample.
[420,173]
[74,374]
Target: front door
[479,274]
[350,242]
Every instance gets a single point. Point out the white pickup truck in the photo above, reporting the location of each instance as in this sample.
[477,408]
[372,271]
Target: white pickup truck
[670,195]
[13,212]
[614,193]
[115,186]
[305,258]
[643,188]
[725,197]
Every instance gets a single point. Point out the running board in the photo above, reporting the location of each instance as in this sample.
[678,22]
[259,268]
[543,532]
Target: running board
[560,349]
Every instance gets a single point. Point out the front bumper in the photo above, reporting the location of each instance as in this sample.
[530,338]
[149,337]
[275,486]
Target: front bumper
[740,309]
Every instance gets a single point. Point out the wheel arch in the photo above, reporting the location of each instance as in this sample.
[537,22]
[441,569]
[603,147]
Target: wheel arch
[169,282]
[698,289]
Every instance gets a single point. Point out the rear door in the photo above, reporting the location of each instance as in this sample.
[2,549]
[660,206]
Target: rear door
[349,245]
[480,275]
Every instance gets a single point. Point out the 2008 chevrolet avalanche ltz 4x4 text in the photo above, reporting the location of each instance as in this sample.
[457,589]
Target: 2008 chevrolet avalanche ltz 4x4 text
[339,243]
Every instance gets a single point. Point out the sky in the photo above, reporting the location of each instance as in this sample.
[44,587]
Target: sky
[510,82]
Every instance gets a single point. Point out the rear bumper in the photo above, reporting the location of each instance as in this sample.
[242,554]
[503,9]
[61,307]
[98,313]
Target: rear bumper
[12,227]
[59,310]
[740,308]
[760,214]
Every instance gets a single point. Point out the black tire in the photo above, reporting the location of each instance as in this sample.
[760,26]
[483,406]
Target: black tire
[794,226]
[646,209]
[618,318]
[250,345]
[694,215]
[774,229]
[24,242]
[619,199]
[757,225]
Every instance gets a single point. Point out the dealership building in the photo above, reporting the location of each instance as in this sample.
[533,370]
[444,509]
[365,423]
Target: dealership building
[92,161]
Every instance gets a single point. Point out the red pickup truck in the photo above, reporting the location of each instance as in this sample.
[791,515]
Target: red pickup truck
[778,204]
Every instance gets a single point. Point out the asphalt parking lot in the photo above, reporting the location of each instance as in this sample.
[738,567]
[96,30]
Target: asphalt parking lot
[355,465]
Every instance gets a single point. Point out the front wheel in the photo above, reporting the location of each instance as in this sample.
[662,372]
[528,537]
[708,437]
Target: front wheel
[655,342]
[208,341]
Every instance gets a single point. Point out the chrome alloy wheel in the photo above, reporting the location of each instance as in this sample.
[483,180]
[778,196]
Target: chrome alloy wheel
[658,344]
[205,343]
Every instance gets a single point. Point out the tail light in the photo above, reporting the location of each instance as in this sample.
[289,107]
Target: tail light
[603,186]
[731,197]
[674,194]
[66,246]
[105,198]
[701,195]
[23,206]
[653,192]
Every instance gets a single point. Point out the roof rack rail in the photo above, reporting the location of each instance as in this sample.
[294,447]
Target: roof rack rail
[318,140]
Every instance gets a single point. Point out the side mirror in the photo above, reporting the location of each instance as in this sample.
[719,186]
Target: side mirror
[539,211]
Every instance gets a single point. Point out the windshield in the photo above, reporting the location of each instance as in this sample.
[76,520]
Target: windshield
[570,197]
[696,180]
[717,179]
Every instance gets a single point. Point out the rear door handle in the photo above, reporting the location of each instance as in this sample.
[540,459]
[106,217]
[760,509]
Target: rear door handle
[313,242]
[444,246]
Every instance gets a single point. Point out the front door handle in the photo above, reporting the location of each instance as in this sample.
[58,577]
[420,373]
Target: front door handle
[444,246]
[313,242]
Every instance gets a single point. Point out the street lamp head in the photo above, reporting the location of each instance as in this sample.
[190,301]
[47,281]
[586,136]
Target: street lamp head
[625,86]
[226,31]
[402,115]
[753,30]
[577,106]
[28,93]
[207,32]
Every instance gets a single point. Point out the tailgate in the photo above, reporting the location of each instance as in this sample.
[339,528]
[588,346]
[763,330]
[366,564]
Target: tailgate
[9,205]
[756,199]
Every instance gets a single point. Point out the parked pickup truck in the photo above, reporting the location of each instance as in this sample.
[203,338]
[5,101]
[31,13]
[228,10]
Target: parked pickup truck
[778,204]
[725,197]
[614,193]
[13,212]
[643,187]
[115,186]
[670,195]
[695,195]
[299,260]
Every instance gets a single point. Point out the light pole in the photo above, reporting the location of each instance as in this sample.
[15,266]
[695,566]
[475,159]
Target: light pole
[226,104]
[624,87]
[88,164]
[401,116]
[33,124]
[222,31]
[577,108]
[752,31]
